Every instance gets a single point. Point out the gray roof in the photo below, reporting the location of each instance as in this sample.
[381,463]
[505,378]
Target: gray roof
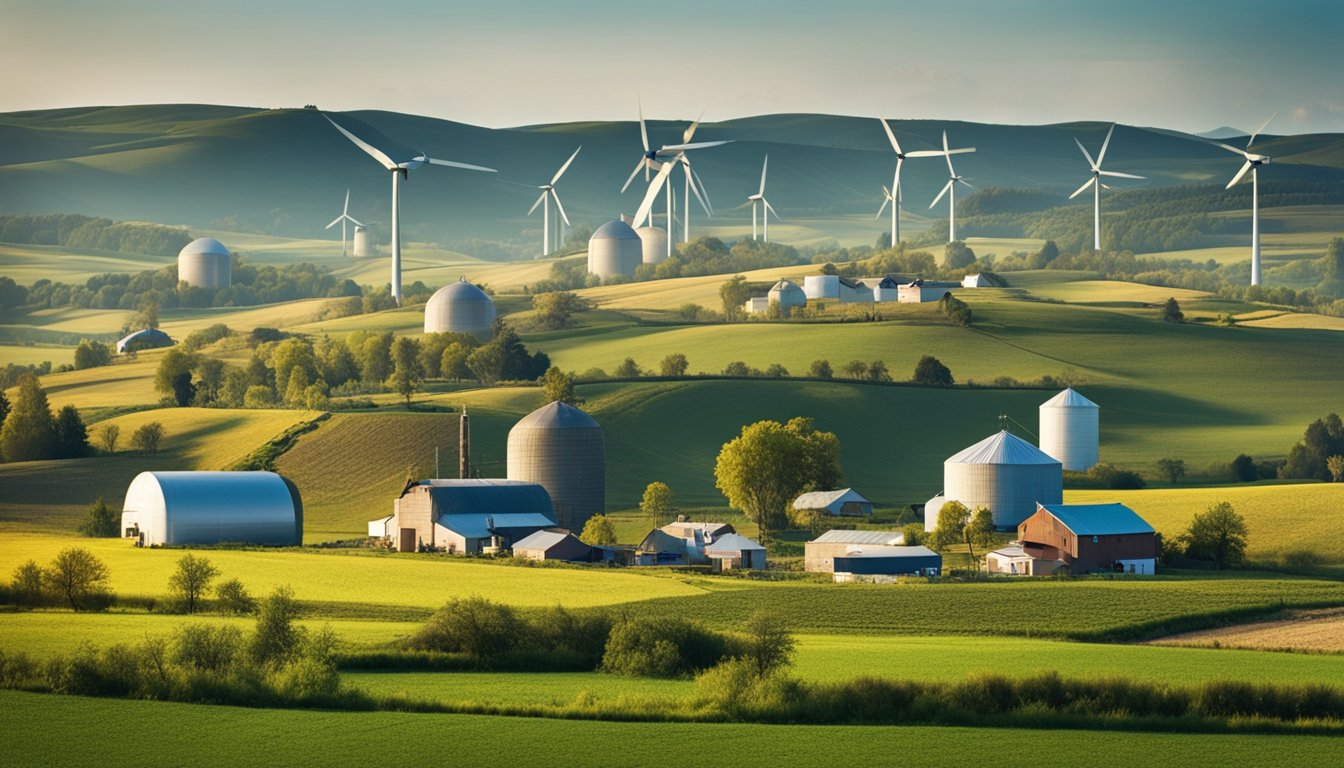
[481,526]
[615,230]
[1069,398]
[1098,519]
[473,508]
[557,415]
[860,537]
[732,542]
[204,245]
[1002,448]
[882,551]
[151,337]
[543,539]
[658,540]
[459,291]
[821,499]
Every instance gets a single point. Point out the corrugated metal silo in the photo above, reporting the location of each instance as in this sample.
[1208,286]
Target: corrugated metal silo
[561,447]
[821,287]
[364,248]
[787,295]
[212,507]
[654,240]
[1069,430]
[614,249]
[1006,474]
[460,308]
[205,263]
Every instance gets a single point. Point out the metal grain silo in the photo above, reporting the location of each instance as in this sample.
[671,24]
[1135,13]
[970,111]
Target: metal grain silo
[364,247]
[787,295]
[1069,430]
[561,448]
[205,263]
[1006,474]
[614,249]
[212,507]
[822,287]
[460,308]
[654,243]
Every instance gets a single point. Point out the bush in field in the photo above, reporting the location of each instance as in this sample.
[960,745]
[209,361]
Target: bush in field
[914,534]
[191,580]
[208,648]
[277,638]
[26,589]
[662,646]
[232,597]
[768,645]
[147,437]
[101,521]
[472,625]
[79,578]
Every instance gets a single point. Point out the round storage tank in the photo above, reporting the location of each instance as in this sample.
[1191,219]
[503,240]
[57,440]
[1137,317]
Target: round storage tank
[364,243]
[1069,430]
[460,308]
[212,507]
[1006,474]
[561,447]
[822,287]
[205,263]
[614,249]
[654,240]
[787,295]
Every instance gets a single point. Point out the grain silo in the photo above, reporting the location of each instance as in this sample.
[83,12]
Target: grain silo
[817,287]
[212,507]
[364,247]
[787,295]
[460,308]
[1069,430]
[614,249]
[561,447]
[1006,474]
[654,243]
[205,263]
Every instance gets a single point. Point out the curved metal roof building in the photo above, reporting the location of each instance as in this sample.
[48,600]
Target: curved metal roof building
[614,249]
[461,308]
[147,338]
[1070,430]
[212,507]
[1004,473]
[205,263]
[562,448]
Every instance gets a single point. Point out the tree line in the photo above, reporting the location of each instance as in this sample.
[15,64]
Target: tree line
[74,230]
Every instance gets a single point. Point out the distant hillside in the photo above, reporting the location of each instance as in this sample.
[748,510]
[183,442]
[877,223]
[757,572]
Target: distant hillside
[286,171]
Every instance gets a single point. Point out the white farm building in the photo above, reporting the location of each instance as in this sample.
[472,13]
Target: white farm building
[212,507]
[614,249]
[844,502]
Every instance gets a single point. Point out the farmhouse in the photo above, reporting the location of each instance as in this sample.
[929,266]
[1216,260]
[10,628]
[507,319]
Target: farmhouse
[553,544]
[1091,537]
[1014,560]
[662,548]
[845,502]
[212,507]
[883,564]
[148,338]
[819,554]
[466,516]
[734,551]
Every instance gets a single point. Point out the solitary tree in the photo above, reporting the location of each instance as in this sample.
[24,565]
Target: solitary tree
[877,371]
[628,369]
[29,431]
[658,502]
[146,437]
[821,369]
[929,371]
[1171,470]
[761,470]
[598,532]
[558,386]
[76,575]
[192,579]
[102,520]
[734,293]
[72,437]
[407,372]
[674,365]
[1217,534]
[769,645]
[952,519]
[1171,311]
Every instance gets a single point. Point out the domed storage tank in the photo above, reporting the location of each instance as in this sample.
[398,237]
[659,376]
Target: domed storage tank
[787,295]
[1006,474]
[561,447]
[654,240]
[1069,430]
[460,308]
[364,248]
[614,249]
[205,263]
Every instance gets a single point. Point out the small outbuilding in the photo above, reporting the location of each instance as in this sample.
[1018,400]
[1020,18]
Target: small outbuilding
[1014,560]
[976,281]
[212,508]
[697,535]
[756,305]
[662,548]
[1109,538]
[148,338]
[553,544]
[734,551]
[819,554]
[461,307]
[845,502]
[881,563]
[885,288]
[923,291]
[467,517]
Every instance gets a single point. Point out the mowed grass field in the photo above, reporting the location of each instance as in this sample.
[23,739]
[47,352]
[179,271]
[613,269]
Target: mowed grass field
[181,733]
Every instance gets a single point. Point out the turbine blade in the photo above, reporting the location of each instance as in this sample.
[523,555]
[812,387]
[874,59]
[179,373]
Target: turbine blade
[565,167]
[688,147]
[695,188]
[638,166]
[1101,156]
[946,187]
[962,151]
[947,155]
[651,194]
[1244,168]
[643,131]
[896,145]
[964,182]
[1119,175]
[703,189]
[1083,188]
[770,208]
[556,196]
[464,166]
[690,130]
[1092,163]
[764,165]
[334,222]
[374,152]
[346,209]
[1261,129]
[924,153]
[885,199]
[354,221]
[1230,148]
[534,205]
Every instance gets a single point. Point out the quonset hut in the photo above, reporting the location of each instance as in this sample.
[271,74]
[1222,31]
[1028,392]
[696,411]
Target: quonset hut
[1004,473]
[561,447]
[461,308]
[205,263]
[212,507]
[1069,430]
[614,249]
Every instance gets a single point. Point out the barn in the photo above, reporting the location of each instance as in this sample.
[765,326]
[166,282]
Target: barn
[467,516]
[662,548]
[845,502]
[1109,538]
[819,554]
[734,551]
[883,563]
[553,544]
[211,508]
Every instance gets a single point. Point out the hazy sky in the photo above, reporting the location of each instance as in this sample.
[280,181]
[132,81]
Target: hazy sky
[1185,65]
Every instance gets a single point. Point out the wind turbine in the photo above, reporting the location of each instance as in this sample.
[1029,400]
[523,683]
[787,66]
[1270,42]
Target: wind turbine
[952,180]
[759,197]
[548,192]
[343,218]
[400,170]
[1253,163]
[894,194]
[693,181]
[1095,183]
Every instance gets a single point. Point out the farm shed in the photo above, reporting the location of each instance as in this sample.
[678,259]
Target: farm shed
[468,516]
[756,305]
[975,281]
[561,447]
[662,548]
[697,535]
[919,291]
[212,507]
[845,502]
[871,563]
[148,338]
[822,287]
[733,550]
[884,288]
[553,544]
[819,554]
[1016,561]
[1091,537]
[1004,473]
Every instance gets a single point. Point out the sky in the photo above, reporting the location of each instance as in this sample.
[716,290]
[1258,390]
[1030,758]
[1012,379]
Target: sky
[1190,66]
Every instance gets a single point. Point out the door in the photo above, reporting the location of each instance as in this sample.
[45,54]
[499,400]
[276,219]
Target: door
[407,540]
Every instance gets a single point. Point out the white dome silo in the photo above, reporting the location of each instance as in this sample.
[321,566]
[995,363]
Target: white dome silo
[787,295]
[654,241]
[561,448]
[1070,430]
[1006,474]
[461,308]
[205,263]
[614,249]
[364,247]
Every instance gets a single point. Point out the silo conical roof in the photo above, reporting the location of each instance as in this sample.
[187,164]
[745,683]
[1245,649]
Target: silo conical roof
[1069,398]
[1002,448]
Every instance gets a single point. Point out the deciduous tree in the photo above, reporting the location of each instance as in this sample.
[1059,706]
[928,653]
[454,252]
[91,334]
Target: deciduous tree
[192,579]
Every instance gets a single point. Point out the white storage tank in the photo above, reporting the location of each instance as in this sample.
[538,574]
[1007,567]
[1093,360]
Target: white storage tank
[821,287]
[654,240]
[1006,474]
[614,249]
[212,507]
[364,245]
[787,295]
[1070,430]
[461,308]
[205,263]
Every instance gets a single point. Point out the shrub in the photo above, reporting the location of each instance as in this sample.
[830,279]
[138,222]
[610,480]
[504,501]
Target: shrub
[768,645]
[914,534]
[662,646]
[277,638]
[930,372]
[472,625]
[108,435]
[1243,469]
[26,588]
[232,597]
[101,521]
[207,648]
[820,369]
[147,437]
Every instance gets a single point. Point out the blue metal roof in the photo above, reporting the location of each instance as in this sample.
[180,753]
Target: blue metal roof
[480,526]
[1098,519]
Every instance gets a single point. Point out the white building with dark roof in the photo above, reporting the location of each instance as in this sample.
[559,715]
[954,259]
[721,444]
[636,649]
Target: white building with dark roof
[845,502]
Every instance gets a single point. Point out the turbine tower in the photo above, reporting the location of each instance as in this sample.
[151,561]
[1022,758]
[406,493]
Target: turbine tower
[548,193]
[894,194]
[343,218]
[693,183]
[400,170]
[766,208]
[1096,185]
[952,180]
[1252,164]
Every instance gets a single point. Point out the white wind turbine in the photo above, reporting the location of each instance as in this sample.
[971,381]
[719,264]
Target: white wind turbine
[951,187]
[548,193]
[759,199]
[893,195]
[400,170]
[1095,183]
[1252,164]
[343,218]
[693,182]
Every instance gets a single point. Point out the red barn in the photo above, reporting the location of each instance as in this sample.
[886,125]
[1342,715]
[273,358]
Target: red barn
[1110,538]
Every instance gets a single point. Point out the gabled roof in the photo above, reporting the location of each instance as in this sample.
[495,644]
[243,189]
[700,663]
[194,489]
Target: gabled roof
[659,540]
[822,499]
[1069,398]
[730,543]
[543,540]
[887,538]
[1002,448]
[889,551]
[845,281]
[1098,519]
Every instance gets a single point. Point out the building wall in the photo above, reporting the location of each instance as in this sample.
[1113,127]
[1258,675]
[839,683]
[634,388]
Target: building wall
[415,510]
[1082,553]
[819,556]
[888,565]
